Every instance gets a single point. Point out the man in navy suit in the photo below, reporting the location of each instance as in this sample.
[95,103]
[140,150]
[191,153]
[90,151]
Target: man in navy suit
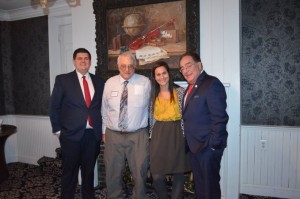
[205,119]
[75,114]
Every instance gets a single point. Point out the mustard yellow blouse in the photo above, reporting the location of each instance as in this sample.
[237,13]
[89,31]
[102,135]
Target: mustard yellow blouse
[164,110]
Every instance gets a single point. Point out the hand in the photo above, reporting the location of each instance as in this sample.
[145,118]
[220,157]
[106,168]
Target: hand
[103,138]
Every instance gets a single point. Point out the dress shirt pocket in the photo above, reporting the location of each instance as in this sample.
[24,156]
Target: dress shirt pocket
[139,97]
[138,100]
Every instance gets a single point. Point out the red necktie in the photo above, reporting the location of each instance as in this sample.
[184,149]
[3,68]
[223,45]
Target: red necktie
[189,90]
[87,96]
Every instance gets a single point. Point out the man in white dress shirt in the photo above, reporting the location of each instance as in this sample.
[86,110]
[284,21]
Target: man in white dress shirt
[130,140]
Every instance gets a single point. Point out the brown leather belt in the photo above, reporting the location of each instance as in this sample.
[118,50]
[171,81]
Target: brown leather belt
[123,132]
[127,132]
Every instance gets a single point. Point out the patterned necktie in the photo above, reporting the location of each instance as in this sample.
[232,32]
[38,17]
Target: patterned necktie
[123,118]
[87,96]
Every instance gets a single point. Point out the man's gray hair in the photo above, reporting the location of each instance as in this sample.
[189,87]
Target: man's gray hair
[129,55]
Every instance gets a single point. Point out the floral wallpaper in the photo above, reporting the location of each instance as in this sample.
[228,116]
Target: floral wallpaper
[6,98]
[2,109]
[25,64]
[270,62]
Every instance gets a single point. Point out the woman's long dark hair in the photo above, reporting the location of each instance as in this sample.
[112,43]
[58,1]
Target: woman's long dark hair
[155,86]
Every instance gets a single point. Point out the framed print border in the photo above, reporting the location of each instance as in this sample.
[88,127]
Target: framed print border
[100,11]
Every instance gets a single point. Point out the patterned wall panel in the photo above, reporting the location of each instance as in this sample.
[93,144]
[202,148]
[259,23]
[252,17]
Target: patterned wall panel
[6,68]
[30,66]
[270,64]
[2,105]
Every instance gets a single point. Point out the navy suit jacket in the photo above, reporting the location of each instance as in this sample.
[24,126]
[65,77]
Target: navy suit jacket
[204,114]
[68,110]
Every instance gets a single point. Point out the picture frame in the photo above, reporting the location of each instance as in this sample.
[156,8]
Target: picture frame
[106,60]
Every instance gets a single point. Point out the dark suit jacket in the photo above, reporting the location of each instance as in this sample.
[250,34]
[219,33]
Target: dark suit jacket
[204,114]
[68,110]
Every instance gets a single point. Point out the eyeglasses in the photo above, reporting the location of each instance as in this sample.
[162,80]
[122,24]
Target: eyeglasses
[124,66]
[186,67]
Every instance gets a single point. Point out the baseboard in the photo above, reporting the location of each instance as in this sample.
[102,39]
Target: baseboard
[28,160]
[270,191]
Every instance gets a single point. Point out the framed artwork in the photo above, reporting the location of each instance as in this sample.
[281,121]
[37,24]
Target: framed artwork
[150,29]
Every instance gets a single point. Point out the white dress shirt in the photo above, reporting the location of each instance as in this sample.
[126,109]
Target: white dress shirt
[138,102]
[91,89]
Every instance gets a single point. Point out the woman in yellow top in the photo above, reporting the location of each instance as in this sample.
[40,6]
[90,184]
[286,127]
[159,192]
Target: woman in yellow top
[167,145]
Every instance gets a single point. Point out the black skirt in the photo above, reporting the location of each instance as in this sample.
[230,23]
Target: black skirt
[167,149]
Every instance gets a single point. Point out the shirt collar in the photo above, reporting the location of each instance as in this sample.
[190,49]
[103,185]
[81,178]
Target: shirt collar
[122,80]
[79,75]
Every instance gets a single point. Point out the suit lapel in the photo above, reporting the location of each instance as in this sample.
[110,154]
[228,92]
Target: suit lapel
[183,103]
[194,90]
[95,87]
[77,88]
[187,100]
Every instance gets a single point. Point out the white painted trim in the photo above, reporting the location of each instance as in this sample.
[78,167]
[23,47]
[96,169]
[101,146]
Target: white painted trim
[55,22]
[60,6]
[23,116]
[277,192]
[4,16]
[277,128]
[270,159]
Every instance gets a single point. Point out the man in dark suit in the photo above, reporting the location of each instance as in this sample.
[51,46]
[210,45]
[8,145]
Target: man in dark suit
[205,119]
[76,119]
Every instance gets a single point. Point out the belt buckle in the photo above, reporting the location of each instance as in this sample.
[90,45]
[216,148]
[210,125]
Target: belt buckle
[123,132]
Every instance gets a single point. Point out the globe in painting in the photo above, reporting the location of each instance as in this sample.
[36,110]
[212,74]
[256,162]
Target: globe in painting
[133,24]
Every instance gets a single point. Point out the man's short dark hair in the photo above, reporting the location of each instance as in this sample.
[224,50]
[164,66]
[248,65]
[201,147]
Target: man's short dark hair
[81,50]
[194,56]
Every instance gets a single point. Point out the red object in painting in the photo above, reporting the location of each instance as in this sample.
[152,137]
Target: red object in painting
[139,42]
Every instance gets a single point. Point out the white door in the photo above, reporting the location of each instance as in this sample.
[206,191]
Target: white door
[66,48]
[60,46]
